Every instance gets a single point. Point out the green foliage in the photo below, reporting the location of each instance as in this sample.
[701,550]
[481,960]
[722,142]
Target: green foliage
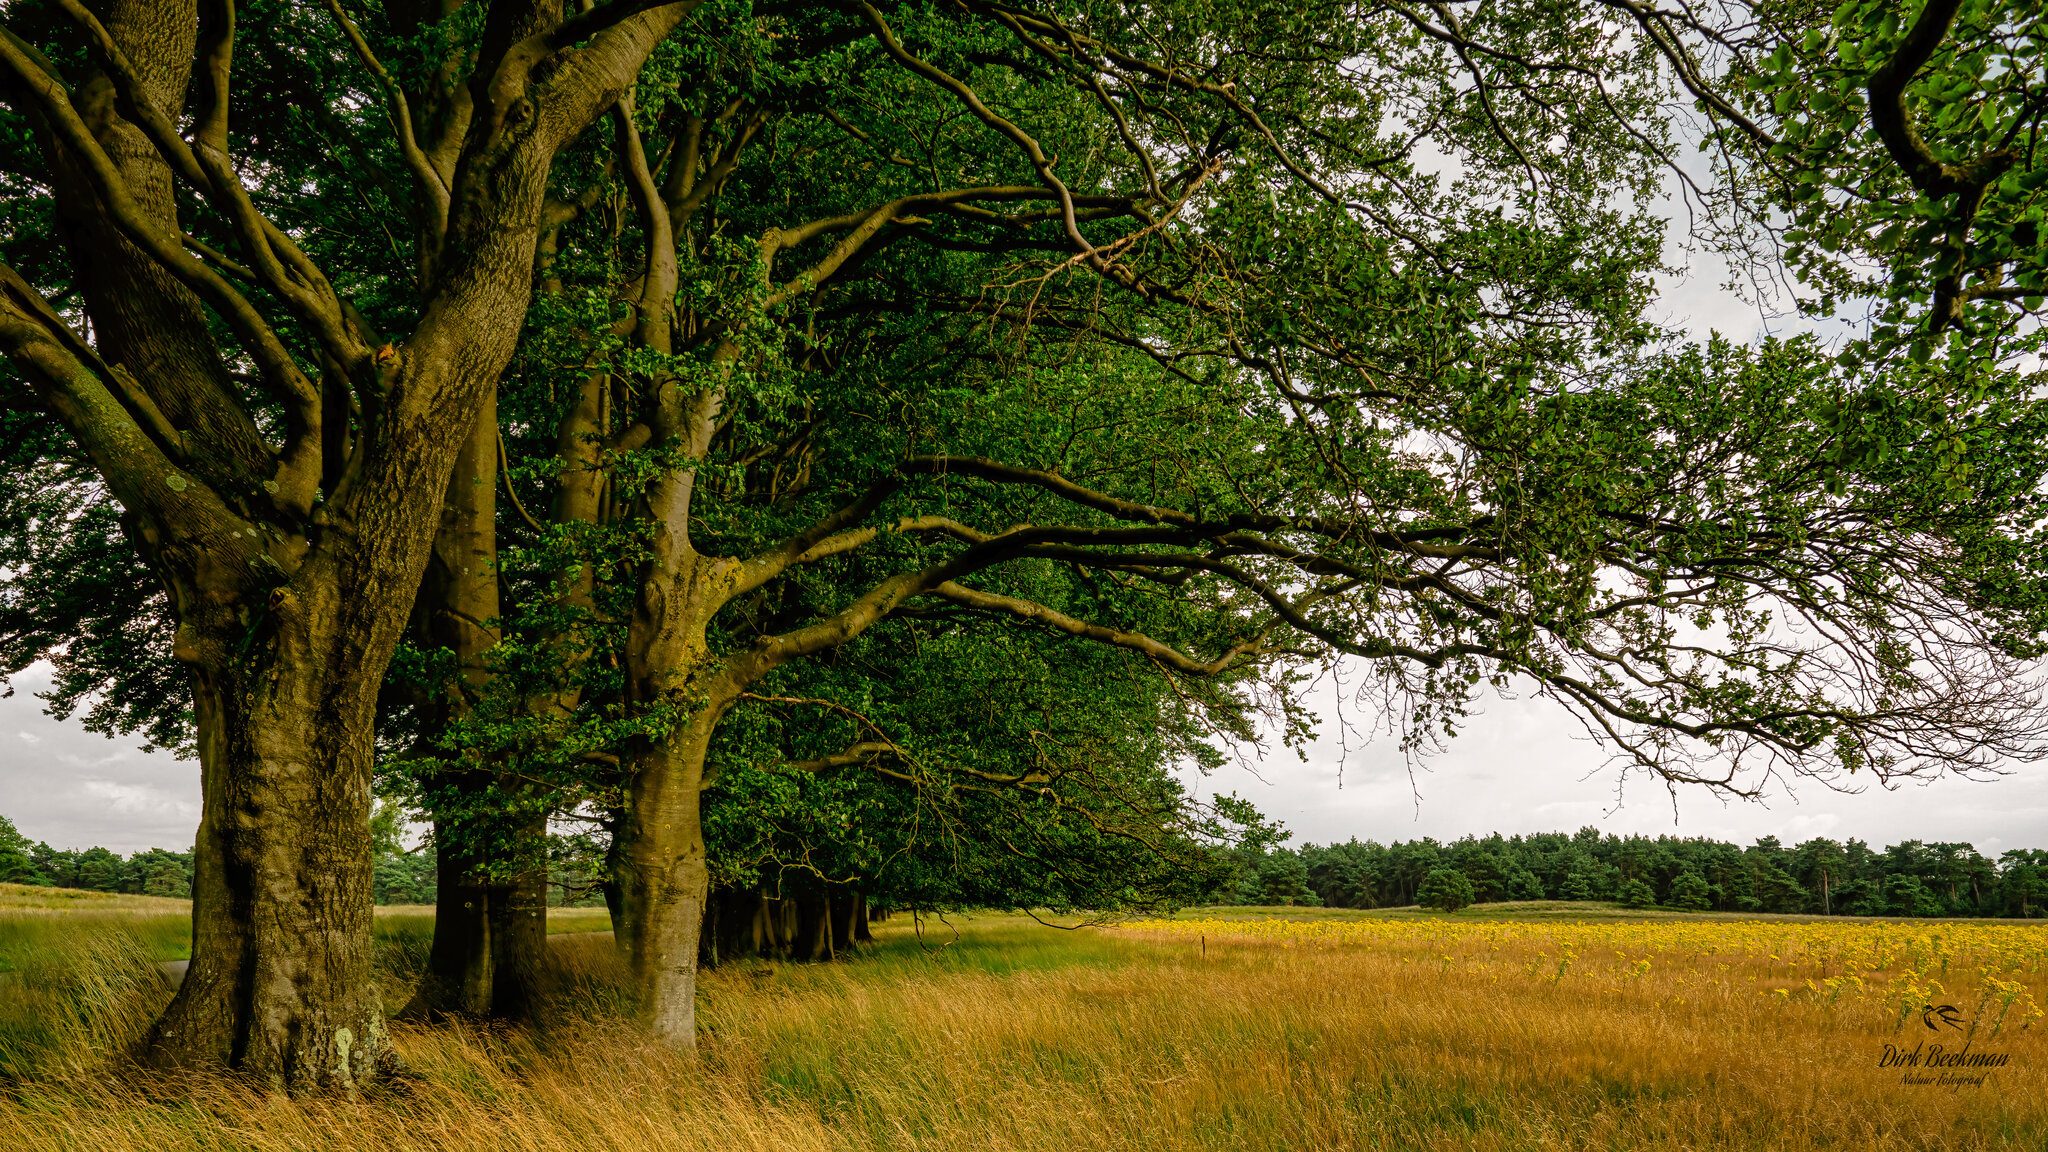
[1444,889]
[1689,891]
[1900,141]
[1635,894]
[1343,353]
[1817,876]
[401,877]
[1497,313]
[1907,896]
[1269,878]
[16,866]
[74,593]
[153,872]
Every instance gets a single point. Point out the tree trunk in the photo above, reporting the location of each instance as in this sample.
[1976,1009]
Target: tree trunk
[814,926]
[785,919]
[760,937]
[665,882]
[844,907]
[732,926]
[708,937]
[458,977]
[490,917]
[519,937]
[862,917]
[280,983]
[614,893]
[456,611]
[286,679]
[291,576]
[774,925]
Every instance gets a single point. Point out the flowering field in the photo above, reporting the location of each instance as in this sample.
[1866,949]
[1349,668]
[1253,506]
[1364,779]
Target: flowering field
[1994,976]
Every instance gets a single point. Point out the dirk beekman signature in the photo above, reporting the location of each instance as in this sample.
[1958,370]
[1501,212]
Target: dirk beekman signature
[1943,1065]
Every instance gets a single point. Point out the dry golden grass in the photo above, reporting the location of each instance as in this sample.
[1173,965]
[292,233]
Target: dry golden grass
[1457,1033]
[23,899]
[561,921]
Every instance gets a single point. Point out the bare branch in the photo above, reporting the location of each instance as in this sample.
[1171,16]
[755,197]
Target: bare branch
[428,178]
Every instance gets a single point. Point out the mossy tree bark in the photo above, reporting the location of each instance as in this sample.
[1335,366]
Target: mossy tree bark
[664,886]
[663,874]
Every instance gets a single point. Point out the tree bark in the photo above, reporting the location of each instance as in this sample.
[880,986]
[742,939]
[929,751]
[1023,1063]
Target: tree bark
[458,976]
[665,882]
[862,917]
[280,983]
[662,872]
[814,925]
[456,611]
[844,905]
[519,933]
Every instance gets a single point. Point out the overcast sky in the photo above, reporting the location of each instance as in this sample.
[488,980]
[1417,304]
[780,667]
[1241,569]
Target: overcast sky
[1523,765]
[1520,765]
[75,788]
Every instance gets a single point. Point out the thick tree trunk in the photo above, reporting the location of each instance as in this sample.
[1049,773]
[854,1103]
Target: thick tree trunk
[286,683]
[280,983]
[490,942]
[814,925]
[490,935]
[665,882]
[658,845]
[291,576]
[519,935]
[458,977]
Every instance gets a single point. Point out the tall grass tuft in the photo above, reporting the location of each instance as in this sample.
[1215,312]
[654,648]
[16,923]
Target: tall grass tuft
[72,992]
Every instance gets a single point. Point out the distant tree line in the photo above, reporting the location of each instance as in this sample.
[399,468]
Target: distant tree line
[1820,876]
[402,875]
[155,872]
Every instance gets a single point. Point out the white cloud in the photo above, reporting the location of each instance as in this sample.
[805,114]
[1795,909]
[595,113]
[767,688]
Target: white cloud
[138,799]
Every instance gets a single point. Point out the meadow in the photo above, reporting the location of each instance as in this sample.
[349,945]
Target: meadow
[1540,1027]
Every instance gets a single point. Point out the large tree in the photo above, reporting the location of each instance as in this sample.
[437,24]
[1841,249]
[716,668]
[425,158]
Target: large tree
[278,461]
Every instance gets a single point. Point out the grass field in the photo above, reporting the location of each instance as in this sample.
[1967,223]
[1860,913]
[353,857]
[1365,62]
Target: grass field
[1542,1027]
